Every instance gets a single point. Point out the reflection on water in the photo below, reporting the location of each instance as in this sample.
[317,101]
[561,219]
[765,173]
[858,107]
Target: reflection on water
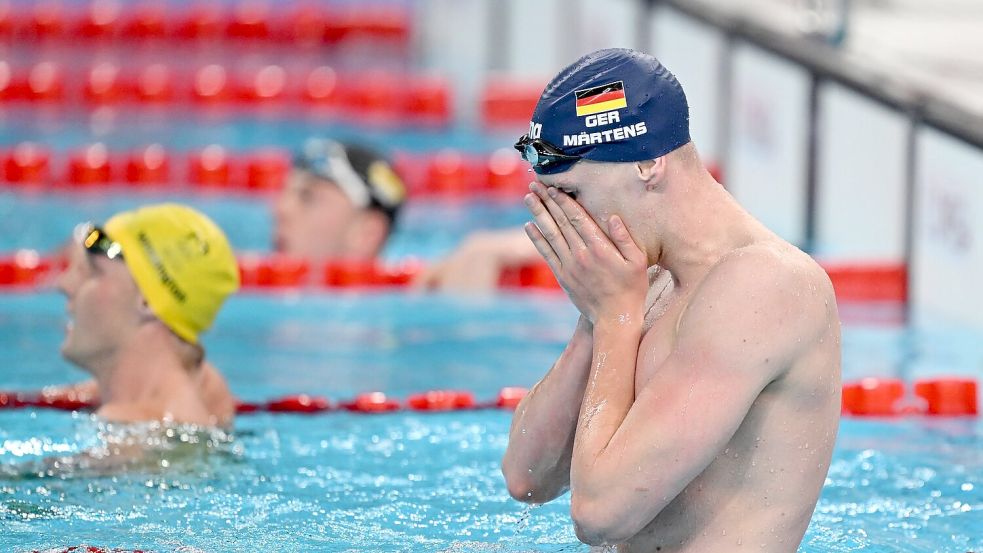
[115,449]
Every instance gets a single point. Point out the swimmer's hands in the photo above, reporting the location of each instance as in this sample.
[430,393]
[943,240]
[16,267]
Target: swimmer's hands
[605,277]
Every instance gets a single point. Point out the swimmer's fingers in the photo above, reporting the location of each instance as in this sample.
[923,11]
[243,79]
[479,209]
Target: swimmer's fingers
[587,231]
[549,196]
[547,228]
[625,243]
[543,246]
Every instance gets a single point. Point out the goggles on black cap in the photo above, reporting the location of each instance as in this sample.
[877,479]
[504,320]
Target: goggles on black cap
[541,154]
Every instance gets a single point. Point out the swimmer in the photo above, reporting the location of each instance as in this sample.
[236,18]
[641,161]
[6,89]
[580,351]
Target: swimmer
[476,264]
[141,290]
[340,202]
[713,427]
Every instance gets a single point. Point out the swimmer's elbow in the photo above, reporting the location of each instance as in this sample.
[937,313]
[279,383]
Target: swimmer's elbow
[523,488]
[597,523]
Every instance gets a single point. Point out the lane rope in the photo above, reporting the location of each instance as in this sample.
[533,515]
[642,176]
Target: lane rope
[867,397]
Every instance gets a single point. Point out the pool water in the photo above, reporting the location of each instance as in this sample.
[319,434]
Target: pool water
[419,482]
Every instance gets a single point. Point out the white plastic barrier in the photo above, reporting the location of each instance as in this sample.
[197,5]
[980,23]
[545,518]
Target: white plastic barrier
[535,37]
[861,190]
[454,41]
[947,264]
[768,141]
[603,24]
[694,52]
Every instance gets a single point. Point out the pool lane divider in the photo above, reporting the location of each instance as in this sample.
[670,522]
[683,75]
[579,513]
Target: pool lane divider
[371,402]
[868,397]
[27,270]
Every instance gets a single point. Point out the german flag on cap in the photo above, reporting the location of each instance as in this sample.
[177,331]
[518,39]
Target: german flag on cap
[606,97]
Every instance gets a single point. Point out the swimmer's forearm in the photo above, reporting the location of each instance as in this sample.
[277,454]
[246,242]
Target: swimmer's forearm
[609,396]
[537,462]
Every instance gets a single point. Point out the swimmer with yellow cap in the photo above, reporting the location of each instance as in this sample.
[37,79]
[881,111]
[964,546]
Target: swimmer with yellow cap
[141,290]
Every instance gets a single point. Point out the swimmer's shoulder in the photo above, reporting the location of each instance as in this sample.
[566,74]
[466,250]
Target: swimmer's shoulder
[121,412]
[774,279]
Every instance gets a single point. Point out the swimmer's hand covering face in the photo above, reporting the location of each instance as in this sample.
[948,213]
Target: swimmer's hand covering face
[604,277]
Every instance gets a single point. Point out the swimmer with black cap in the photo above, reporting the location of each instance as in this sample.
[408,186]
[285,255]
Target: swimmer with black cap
[340,202]
[708,421]
[141,290]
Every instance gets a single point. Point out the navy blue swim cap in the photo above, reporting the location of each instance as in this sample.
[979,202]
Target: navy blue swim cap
[613,105]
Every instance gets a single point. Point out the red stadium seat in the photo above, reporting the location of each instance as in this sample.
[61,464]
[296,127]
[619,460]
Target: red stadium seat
[27,163]
[154,84]
[210,167]
[212,84]
[148,166]
[508,174]
[509,104]
[90,166]
[145,22]
[321,88]
[104,84]
[267,169]
[427,101]
[249,21]
[45,83]
[200,23]
[268,84]
[450,172]
[47,21]
[101,21]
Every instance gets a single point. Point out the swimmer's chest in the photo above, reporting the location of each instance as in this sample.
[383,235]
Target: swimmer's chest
[660,339]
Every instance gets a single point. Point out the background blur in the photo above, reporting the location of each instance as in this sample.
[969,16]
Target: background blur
[851,127]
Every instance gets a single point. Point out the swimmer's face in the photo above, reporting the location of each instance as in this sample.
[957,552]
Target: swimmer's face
[603,190]
[103,304]
[313,218]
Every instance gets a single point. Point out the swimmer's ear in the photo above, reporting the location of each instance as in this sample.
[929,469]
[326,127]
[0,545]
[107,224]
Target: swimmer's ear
[144,310]
[651,171]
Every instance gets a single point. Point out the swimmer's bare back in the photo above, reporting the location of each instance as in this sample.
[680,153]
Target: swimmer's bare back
[728,439]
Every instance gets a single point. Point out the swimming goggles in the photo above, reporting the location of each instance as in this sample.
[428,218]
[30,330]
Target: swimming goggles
[328,160]
[540,153]
[96,241]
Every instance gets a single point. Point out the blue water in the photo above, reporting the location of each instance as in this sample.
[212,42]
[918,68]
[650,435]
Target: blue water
[414,482]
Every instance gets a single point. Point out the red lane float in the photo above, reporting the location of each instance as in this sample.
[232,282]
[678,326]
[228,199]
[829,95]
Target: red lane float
[89,549]
[300,403]
[510,397]
[869,281]
[370,402]
[277,271]
[878,397]
[949,396]
[441,400]
[873,397]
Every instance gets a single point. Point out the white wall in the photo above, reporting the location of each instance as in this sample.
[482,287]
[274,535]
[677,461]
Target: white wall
[602,24]
[861,166]
[534,41]
[694,52]
[454,41]
[947,268]
[769,132]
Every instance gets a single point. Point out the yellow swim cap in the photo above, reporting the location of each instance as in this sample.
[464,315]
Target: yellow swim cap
[180,260]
